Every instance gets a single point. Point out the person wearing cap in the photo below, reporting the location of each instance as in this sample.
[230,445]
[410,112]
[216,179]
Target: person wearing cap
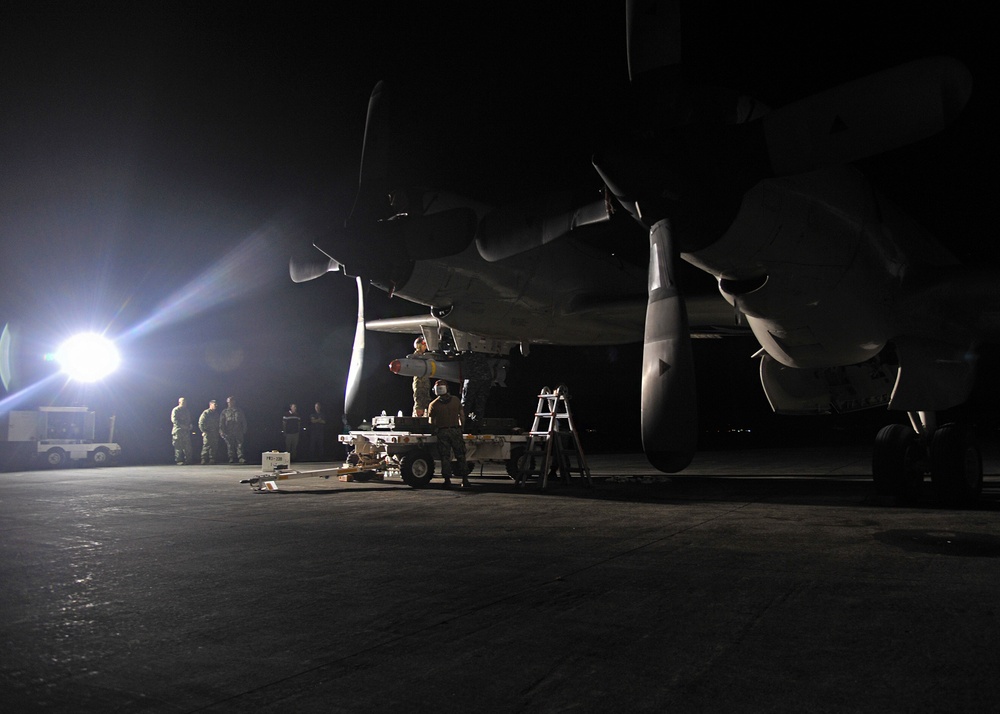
[208,424]
[446,419]
[421,385]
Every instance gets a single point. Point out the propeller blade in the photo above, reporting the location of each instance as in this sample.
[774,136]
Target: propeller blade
[669,397]
[357,353]
[372,201]
[653,35]
[303,270]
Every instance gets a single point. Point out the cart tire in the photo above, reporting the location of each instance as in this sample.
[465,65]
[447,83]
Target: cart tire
[525,462]
[55,457]
[417,469]
[100,456]
[512,465]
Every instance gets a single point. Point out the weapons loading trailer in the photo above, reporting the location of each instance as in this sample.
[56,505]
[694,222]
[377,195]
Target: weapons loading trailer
[387,453]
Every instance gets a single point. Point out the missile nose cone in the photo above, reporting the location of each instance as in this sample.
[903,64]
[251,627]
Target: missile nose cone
[394,366]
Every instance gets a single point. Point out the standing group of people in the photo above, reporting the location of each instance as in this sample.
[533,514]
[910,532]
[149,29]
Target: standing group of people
[229,424]
[291,427]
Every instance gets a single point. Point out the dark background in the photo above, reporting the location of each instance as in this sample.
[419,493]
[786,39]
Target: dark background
[161,161]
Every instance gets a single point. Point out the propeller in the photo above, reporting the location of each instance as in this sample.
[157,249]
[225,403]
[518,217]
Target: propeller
[379,242]
[371,203]
[685,182]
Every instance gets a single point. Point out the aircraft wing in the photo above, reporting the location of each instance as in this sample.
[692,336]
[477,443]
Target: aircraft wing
[709,315]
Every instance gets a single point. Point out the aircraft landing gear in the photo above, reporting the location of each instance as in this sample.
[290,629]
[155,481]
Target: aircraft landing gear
[956,465]
[898,462]
[949,453]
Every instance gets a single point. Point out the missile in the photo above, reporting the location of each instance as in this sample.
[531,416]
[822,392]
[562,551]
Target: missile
[450,371]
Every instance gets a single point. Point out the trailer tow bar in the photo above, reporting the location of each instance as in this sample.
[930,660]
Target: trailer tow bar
[269,481]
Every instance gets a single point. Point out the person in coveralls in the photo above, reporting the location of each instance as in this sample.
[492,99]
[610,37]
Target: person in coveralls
[446,419]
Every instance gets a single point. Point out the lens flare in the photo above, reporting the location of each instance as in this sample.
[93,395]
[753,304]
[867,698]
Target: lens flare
[87,357]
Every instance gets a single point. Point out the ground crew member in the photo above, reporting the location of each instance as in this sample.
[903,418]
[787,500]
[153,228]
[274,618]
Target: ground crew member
[232,428]
[180,433]
[317,425]
[421,385]
[446,420]
[476,388]
[208,424]
[291,425]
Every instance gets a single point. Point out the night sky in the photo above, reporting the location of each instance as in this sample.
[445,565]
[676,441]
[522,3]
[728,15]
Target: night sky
[162,160]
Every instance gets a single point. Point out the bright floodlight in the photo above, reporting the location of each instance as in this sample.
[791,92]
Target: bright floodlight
[87,357]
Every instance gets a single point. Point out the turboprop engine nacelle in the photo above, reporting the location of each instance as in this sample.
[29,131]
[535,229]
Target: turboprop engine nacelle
[450,371]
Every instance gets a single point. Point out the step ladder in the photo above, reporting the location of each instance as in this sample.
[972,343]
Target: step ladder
[553,442]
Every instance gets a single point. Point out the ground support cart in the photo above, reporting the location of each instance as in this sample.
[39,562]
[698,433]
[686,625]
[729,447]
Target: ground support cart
[388,455]
[410,455]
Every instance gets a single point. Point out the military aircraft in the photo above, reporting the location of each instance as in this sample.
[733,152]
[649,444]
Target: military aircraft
[853,304]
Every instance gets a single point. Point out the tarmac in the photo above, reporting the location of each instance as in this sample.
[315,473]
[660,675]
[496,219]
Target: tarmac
[755,581]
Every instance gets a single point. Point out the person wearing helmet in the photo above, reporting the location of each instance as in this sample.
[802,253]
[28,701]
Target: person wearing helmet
[421,385]
[446,419]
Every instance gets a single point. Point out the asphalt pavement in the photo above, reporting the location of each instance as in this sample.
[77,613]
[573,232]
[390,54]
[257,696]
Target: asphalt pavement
[756,581]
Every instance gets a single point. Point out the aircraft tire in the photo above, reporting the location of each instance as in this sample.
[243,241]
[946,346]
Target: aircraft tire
[897,461]
[956,465]
[417,469]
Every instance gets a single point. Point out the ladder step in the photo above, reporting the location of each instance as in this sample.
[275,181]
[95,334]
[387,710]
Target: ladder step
[555,449]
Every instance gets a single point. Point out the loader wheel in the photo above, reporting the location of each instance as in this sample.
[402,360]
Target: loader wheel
[513,465]
[55,457]
[100,457]
[417,469]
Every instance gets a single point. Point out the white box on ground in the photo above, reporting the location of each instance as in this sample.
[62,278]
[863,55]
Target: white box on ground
[271,460]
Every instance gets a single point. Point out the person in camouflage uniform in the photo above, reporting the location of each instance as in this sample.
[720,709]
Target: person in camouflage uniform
[208,424]
[421,385]
[180,433]
[476,387]
[446,419]
[232,428]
